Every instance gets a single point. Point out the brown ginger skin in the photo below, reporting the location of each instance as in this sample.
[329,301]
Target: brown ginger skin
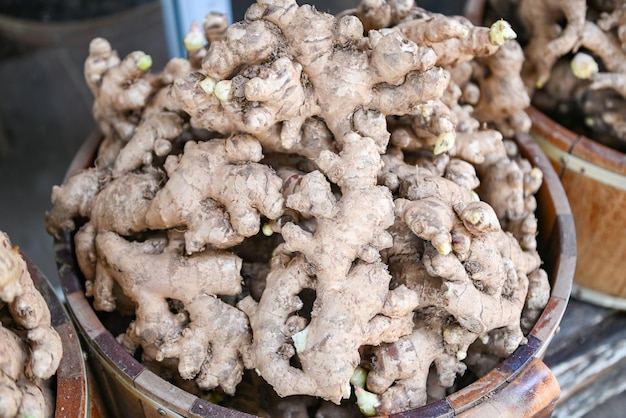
[22,367]
[73,199]
[119,87]
[454,39]
[497,294]
[287,120]
[595,39]
[605,115]
[29,311]
[407,363]
[131,196]
[547,44]
[322,338]
[503,96]
[152,138]
[376,14]
[214,327]
[337,272]
[19,396]
[327,53]
[217,213]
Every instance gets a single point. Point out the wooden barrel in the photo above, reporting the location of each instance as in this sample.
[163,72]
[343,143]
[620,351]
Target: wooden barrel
[70,381]
[594,179]
[521,386]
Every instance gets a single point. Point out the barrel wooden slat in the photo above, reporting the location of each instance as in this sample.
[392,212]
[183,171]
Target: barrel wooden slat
[594,179]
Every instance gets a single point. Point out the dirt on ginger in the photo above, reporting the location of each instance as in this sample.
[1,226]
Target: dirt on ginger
[308,196]
[31,348]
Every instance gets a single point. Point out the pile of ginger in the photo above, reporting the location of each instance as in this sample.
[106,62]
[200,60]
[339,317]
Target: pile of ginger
[331,202]
[30,348]
[575,66]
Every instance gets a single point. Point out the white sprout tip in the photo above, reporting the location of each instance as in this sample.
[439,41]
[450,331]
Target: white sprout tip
[474,217]
[144,62]
[444,248]
[444,142]
[299,339]
[536,173]
[461,355]
[464,32]
[541,81]
[359,377]
[366,401]
[267,230]
[208,85]
[426,110]
[500,32]
[223,90]
[194,39]
[584,66]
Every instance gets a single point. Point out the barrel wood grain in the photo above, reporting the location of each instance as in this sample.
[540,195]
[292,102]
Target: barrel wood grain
[597,204]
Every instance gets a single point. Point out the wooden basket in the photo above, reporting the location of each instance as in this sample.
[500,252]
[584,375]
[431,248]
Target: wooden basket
[594,179]
[520,386]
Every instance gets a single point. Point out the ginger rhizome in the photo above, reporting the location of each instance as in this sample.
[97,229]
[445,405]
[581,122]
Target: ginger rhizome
[574,63]
[328,347]
[31,348]
[307,195]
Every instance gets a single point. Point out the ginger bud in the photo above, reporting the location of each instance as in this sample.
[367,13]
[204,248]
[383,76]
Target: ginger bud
[479,218]
[208,85]
[224,90]
[359,377]
[444,247]
[267,229]
[584,66]
[500,32]
[194,40]
[299,339]
[144,62]
[366,401]
[444,142]
[215,24]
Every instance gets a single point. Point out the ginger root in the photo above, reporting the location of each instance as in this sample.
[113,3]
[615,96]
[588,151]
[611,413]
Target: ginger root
[360,218]
[589,38]
[306,199]
[31,348]
[210,336]
[548,40]
[245,191]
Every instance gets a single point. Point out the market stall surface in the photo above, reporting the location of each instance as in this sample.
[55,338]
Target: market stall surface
[45,114]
